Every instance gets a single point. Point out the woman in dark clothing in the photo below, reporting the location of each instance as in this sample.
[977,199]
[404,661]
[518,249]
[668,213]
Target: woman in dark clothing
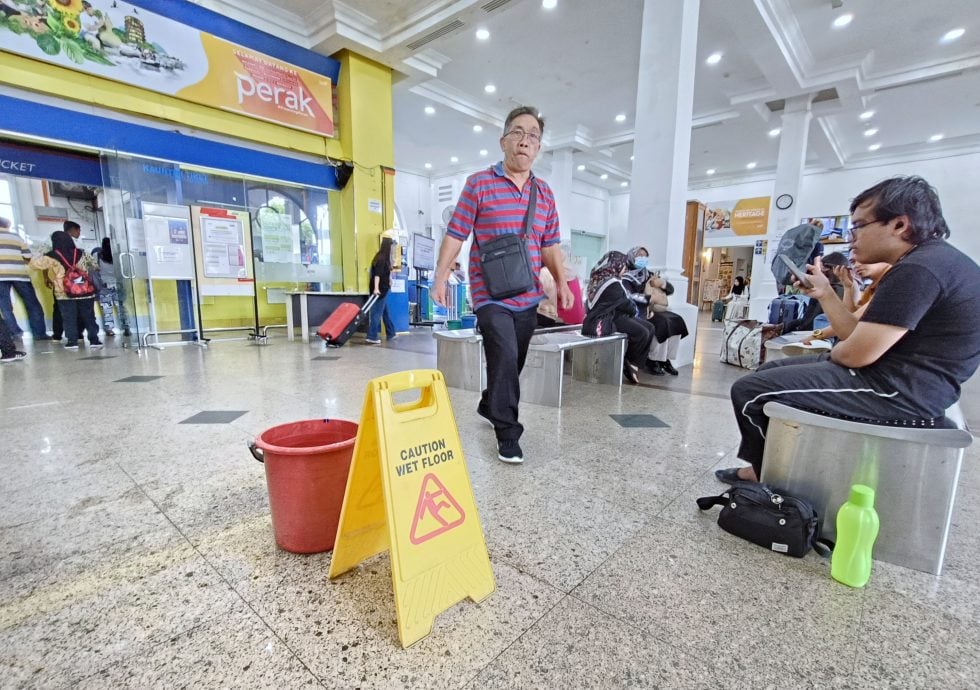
[78,308]
[380,282]
[669,327]
[813,308]
[610,310]
[738,287]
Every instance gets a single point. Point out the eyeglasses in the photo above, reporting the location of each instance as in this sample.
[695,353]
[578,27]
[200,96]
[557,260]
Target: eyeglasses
[856,227]
[518,134]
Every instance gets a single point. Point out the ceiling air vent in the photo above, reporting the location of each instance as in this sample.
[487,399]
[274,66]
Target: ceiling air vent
[444,30]
[823,96]
[494,5]
[444,193]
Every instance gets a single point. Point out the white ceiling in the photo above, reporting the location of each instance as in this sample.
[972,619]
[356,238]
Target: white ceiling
[578,65]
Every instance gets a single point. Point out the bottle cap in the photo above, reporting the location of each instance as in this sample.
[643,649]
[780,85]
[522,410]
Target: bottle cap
[862,495]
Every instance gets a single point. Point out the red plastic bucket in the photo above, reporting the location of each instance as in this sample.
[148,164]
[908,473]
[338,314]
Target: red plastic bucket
[306,466]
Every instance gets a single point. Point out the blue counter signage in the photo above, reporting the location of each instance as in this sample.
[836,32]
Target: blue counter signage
[27,161]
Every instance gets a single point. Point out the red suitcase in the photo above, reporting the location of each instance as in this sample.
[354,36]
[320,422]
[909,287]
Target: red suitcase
[344,321]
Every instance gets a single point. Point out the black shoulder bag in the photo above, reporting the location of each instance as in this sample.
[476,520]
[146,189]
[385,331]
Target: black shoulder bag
[781,523]
[505,261]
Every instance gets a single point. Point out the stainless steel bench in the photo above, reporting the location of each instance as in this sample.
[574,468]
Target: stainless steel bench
[459,356]
[914,473]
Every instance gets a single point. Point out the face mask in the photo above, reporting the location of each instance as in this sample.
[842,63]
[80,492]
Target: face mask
[641,261]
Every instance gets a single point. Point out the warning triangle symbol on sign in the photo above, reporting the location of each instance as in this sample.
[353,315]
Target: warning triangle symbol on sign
[437,511]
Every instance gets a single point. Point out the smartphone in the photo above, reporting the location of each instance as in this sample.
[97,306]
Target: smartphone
[794,269]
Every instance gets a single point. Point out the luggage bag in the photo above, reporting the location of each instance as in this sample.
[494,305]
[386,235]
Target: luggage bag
[718,310]
[344,321]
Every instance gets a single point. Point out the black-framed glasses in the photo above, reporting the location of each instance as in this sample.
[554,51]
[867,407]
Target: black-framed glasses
[851,231]
[518,134]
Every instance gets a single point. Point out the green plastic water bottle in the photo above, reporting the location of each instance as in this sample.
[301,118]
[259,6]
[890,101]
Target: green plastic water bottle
[857,529]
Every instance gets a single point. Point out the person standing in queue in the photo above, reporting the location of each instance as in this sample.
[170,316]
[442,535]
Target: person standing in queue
[381,285]
[494,202]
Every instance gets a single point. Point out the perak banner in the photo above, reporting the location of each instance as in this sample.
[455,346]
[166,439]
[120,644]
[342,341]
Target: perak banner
[119,41]
[736,219]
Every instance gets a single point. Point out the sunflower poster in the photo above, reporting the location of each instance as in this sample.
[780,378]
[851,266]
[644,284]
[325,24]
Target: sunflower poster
[117,40]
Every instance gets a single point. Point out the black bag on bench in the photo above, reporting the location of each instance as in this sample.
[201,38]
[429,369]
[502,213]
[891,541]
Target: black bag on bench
[781,523]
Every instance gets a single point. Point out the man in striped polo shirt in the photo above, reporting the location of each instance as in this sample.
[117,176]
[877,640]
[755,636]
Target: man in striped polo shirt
[14,255]
[494,203]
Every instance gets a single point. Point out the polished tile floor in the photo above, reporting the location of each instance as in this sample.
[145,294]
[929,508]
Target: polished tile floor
[136,547]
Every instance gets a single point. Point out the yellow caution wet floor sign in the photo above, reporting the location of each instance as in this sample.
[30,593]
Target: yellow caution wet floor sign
[408,490]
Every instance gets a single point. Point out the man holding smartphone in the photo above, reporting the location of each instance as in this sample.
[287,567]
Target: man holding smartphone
[495,202]
[903,361]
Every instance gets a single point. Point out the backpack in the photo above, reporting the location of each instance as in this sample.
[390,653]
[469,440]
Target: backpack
[77,283]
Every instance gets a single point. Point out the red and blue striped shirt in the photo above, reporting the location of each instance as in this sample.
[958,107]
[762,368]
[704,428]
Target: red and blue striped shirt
[491,205]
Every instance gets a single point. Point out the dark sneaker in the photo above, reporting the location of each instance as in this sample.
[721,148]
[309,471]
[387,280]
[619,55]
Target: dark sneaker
[483,412]
[14,356]
[72,346]
[655,368]
[372,341]
[95,346]
[510,452]
[630,373]
[668,367]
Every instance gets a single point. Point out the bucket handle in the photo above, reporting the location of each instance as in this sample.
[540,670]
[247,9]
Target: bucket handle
[256,453]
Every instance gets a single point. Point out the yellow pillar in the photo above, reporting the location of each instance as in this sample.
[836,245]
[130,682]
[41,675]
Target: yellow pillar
[364,122]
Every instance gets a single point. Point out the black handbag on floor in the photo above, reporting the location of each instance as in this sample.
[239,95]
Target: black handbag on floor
[758,513]
[505,261]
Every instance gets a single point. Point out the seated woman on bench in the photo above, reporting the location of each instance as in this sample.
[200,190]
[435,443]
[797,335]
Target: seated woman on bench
[609,309]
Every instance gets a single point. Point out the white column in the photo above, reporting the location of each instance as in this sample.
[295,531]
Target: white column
[561,180]
[789,180]
[662,146]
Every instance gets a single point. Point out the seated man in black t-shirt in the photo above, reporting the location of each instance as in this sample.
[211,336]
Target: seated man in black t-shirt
[903,362]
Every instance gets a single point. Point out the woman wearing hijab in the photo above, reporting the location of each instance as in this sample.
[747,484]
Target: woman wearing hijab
[609,309]
[64,256]
[669,327]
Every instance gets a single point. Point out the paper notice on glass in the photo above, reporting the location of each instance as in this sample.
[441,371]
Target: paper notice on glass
[135,235]
[222,230]
[398,285]
[167,255]
[216,264]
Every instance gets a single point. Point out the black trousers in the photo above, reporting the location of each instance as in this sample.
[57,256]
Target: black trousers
[58,326]
[7,345]
[639,333]
[816,384]
[79,314]
[506,336]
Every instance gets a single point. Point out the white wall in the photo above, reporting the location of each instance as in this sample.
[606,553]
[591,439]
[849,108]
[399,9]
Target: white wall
[413,200]
[619,211]
[830,193]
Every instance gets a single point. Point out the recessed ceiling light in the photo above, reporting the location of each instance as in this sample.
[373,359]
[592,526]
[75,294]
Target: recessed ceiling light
[483,152]
[843,20]
[936,137]
[624,184]
[871,131]
[429,110]
[549,4]
[482,34]
[710,171]
[477,128]
[751,166]
[867,115]
[453,159]
[603,176]
[631,157]
[952,35]
[621,118]
[428,166]
[713,59]
[580,168]
[874,147]
[490,88]
[774,132]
